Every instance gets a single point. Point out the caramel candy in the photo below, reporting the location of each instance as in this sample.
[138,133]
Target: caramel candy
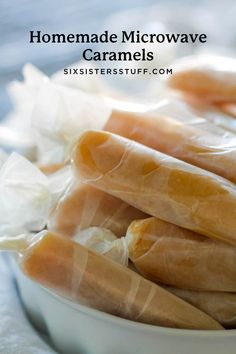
[171,255]
[179,139]
[87,206]
[211,79]
[220,306]
[158,184]
[82,276]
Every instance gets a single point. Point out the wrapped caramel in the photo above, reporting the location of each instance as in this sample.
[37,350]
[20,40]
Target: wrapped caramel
[30,201]
[192,139]
[171,255]
[85,206]
[82,276]
[211,79]
[220,306]
[158,184]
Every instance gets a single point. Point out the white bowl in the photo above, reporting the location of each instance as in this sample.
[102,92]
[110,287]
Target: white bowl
[76,329]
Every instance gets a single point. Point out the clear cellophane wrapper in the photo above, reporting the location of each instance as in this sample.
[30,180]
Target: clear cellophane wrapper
[60,115]
[52,112]
[28,196]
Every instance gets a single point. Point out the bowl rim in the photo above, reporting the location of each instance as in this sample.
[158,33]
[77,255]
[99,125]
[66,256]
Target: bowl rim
[103,316]
[177,332]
